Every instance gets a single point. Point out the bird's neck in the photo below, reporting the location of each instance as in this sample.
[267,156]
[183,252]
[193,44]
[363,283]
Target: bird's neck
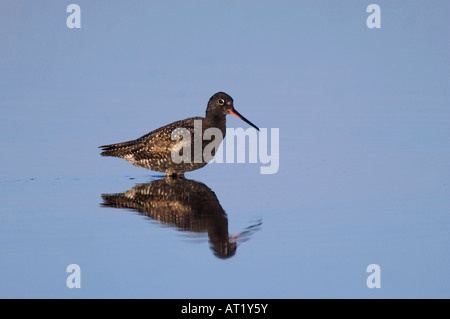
[215,116]
[216,119]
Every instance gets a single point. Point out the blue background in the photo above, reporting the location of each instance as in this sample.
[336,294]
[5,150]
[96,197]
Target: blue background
[364,146]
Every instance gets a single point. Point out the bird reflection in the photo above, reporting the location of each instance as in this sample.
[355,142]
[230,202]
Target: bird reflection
[185,204]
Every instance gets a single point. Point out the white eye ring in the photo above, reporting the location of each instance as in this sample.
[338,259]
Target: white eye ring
[221,102]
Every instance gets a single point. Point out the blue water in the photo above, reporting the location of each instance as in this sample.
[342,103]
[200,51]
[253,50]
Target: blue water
[364,123]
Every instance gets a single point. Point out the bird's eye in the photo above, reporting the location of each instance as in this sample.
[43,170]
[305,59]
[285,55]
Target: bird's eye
[221,102]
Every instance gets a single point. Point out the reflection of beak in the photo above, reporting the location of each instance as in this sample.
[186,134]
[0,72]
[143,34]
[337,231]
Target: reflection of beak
[246,233]
[236,113]
[235,237]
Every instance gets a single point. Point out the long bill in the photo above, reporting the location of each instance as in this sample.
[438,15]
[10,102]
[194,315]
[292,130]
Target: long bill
[236,113]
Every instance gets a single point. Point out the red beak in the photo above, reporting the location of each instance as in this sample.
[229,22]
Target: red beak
[236,113]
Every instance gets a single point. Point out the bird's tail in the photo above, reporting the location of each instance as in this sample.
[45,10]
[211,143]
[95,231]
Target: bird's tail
[118,149]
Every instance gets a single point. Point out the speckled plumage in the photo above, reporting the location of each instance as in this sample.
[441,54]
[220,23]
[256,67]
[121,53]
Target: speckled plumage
[154,150]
